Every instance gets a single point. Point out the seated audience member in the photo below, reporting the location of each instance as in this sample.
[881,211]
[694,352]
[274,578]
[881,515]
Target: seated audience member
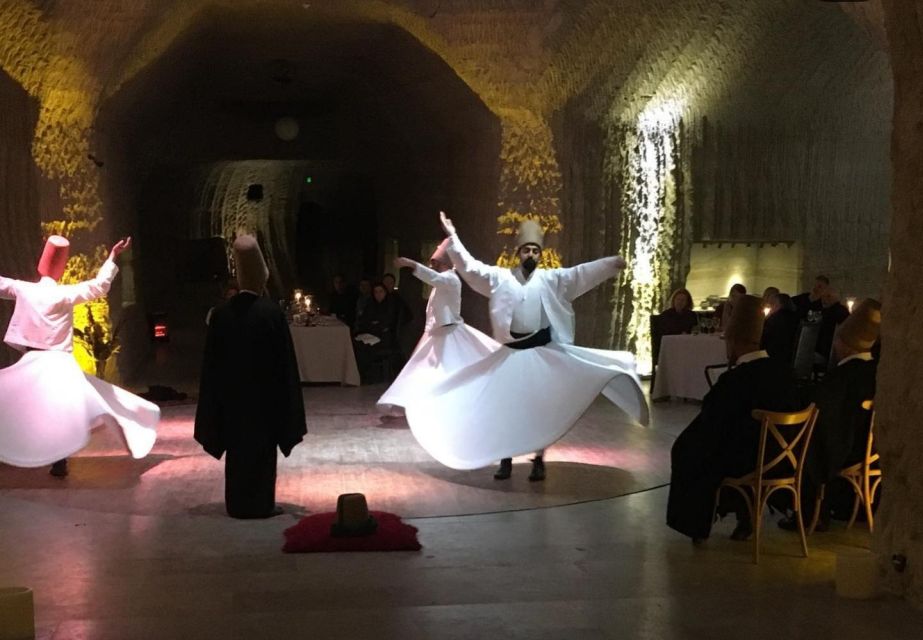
[833,313]
[403,309]
[768,292]
[342,301]
[723,439]
[780,331]
[723,310]
[811,300]
[842,428]
[679,318]
[364,296]
[379,319]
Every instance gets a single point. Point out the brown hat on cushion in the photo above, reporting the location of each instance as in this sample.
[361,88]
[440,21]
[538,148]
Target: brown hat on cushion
[252,272]
[746,323]
[860,330]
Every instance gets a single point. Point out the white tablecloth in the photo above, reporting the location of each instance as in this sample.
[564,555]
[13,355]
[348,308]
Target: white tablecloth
[682,362]
[325,354]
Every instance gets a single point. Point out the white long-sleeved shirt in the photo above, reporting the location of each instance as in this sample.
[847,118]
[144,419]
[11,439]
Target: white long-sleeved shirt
[444,304]
[557,289]
[528,313]
[44,314]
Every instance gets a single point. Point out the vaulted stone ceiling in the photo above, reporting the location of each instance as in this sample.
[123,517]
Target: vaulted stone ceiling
[524,59]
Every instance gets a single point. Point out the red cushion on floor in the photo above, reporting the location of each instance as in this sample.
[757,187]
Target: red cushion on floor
[312,535]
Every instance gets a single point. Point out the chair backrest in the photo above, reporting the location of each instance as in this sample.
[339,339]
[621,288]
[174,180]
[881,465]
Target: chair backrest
[803,360]
[784,437]
[870,455]
[656,335]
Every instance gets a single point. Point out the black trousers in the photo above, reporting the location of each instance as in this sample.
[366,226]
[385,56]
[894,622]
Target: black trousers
[250,480]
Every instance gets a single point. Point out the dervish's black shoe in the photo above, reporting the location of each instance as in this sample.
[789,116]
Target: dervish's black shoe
[59,469]
[505,470]
[538,470]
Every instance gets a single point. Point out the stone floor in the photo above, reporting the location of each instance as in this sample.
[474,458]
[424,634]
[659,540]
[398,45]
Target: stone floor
[603,569]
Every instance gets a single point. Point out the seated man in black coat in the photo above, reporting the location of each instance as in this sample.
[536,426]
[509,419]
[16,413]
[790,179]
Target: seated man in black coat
[249,393]
[342,300]
[811,300]
[780,329]
[723,440]
[842,428]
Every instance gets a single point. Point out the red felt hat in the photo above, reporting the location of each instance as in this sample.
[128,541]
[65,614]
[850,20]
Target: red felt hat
[54,257]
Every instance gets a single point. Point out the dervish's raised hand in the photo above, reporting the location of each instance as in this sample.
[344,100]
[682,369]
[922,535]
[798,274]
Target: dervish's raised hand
[447,225]
[404,262]
[120,246]
[620,262]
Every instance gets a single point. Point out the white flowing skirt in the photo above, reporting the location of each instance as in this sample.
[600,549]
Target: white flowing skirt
[48,406]
[515,402]
[440,352]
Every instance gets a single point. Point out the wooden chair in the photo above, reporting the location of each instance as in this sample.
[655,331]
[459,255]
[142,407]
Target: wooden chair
[863,477]
[790,435]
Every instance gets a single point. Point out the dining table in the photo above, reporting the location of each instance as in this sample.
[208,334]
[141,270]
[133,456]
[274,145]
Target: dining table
[324,350]
[681,366]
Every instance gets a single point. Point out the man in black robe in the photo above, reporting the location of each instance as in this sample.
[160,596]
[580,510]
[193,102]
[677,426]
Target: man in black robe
[249,394]
[723,440]
[841,433]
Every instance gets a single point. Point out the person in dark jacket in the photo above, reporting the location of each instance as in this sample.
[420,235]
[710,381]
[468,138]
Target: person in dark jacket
[342,300]
[723,440]
[841,433]
[833,313]
[250,399]
[379,320]
[723,311]
[780,331]
[679,318]
[811,300]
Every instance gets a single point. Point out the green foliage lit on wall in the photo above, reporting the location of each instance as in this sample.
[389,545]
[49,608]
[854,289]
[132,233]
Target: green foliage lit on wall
[530,182]
[95,344]
[643,166]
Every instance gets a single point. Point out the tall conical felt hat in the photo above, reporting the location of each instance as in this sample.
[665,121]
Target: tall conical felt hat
[746,322]
[54,257]
[252,272]
[441,254]
[860,330]
[530,232]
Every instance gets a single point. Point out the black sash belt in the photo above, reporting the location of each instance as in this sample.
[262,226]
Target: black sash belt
[530,340]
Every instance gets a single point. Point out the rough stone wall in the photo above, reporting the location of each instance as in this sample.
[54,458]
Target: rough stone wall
[748,66]
[19,203]
[899,403]
[759,121]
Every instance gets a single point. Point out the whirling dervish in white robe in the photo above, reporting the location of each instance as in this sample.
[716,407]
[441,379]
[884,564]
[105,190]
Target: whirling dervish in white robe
[48,405]
[447,344]
[525,396]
